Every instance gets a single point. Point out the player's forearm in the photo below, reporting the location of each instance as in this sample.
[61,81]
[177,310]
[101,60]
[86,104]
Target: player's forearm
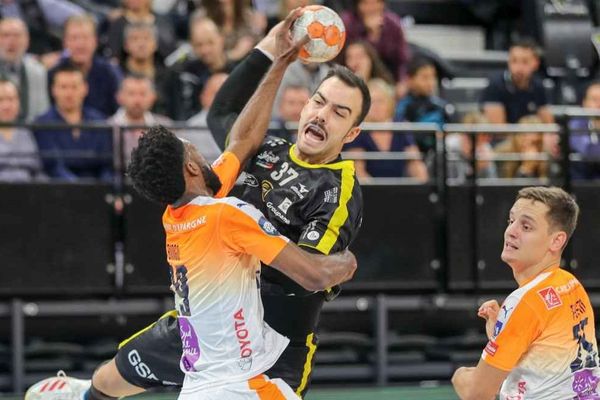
[235,93]
[248,131]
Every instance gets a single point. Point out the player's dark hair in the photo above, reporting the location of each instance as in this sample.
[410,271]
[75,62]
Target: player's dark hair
[345,75]
[156,167]
[563,210]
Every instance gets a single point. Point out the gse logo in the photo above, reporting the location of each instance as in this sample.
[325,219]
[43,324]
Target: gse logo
[140,367]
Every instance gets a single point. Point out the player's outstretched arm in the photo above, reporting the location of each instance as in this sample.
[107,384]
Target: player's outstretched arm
[248,131]
[315,271]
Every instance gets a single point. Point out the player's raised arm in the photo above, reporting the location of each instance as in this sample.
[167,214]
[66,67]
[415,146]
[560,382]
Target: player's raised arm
[315,271]
[249,129]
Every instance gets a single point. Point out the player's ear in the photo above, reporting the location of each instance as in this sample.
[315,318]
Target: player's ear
[192,168]
[352,134]
[559,239]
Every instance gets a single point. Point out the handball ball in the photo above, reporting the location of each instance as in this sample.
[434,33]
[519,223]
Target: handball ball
[326,31]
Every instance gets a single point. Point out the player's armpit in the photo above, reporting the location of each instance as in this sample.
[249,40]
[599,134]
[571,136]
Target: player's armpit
[315,271]
[479,383]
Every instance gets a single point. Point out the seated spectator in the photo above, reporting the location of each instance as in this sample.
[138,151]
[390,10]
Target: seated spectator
[140,12]
[80,42]
[200,136]
[523,145]
[293,99]
[362,58]
[236,21]
[517,92]
[584,137]
[29,75]
[459,150]
[371,21]
[208,58]
[301,75]
[421,104]
[73,153]
[136,96]
[19,158]
[140,58]
[382,110]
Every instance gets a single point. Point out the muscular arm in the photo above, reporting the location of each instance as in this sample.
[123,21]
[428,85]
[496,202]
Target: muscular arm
[478,383]
[315,271]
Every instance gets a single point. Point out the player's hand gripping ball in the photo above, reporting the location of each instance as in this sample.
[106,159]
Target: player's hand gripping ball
[326,31]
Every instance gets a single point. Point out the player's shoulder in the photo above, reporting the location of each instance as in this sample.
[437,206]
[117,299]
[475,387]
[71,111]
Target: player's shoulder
[544,292]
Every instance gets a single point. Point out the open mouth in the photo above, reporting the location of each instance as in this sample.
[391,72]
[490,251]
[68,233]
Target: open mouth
[510,246]
[315,132]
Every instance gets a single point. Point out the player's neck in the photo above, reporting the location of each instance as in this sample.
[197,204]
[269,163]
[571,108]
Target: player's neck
[314,159]
[526,274]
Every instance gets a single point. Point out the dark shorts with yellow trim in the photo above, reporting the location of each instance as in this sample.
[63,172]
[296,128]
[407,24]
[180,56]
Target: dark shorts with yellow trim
[150,358]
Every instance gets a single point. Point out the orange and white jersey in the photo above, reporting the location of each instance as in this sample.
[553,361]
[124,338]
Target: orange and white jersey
[545,337]
[214,248]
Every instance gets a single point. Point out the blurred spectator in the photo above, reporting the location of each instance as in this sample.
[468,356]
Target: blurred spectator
[136,96]
[45,19]
[208,58]
[459,149]
[371,21]
[293,100]
[140,12]
[29,75]
[362,58]
[301,75]
[140,58]
[238,23]
[382,110]
[73,153]
[200,136]
[421,103]
[80,42]
[523,145]
[19,158]
[584,137]
[516,91]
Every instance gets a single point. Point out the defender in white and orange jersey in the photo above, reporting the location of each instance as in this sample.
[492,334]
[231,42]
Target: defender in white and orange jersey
[542,341]
[214,248]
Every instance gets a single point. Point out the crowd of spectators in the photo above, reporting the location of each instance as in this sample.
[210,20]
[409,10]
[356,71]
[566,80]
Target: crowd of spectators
[134,63]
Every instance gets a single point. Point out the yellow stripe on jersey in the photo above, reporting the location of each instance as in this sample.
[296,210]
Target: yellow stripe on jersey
[172,313]
[312,347]
[340,215]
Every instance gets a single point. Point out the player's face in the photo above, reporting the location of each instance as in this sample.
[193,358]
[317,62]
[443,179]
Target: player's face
[201,168]
[528,237]
[522,63]
[328,120]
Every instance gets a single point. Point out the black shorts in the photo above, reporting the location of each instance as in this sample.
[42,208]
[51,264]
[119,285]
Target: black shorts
[150,358]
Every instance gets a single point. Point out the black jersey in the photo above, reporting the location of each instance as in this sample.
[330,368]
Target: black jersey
[318,206]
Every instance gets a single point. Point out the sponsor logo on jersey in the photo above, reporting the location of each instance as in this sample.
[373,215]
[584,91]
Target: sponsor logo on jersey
[277,213]
[550,297]
[266,187]
[313,235]
[285,205]
[267,227]
[141,368]
[242,334]
[491,348]
[266,159]
[250,180]
[331,195]
[498,328]
[299,189]
[186,226]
